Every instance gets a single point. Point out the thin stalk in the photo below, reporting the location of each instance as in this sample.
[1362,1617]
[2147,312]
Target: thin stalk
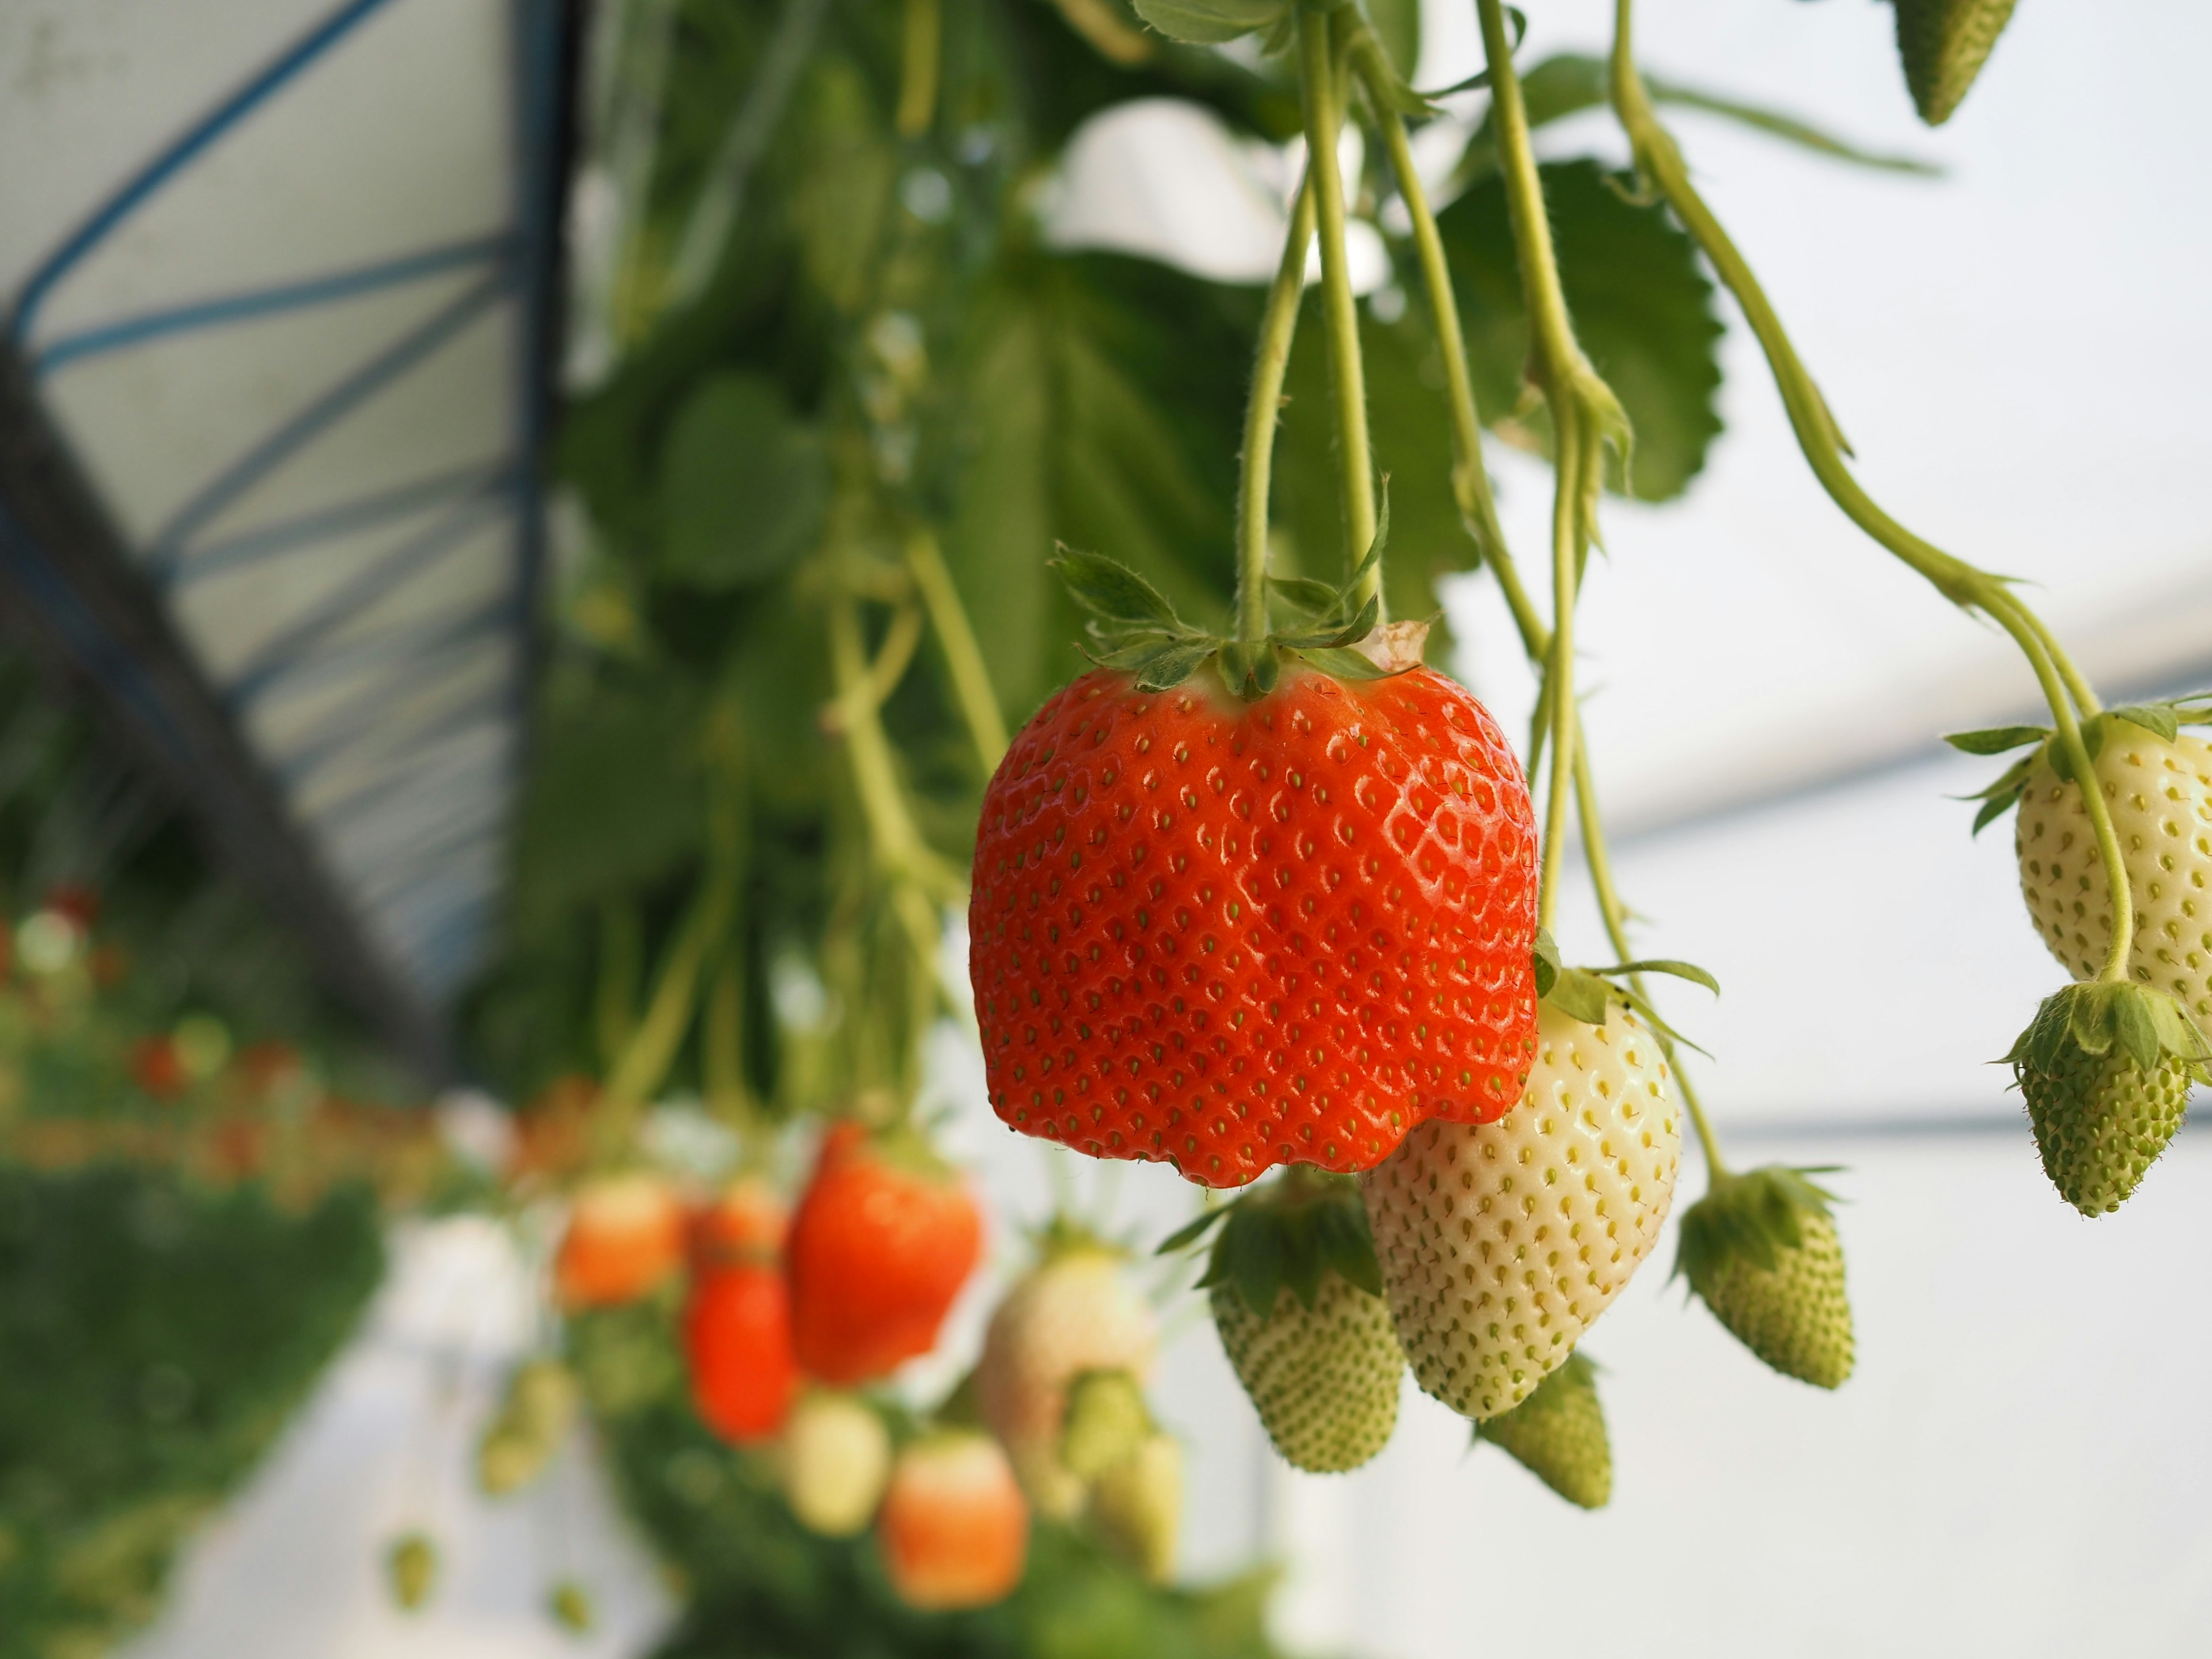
[614,1004]
[898,845]
[653,1046]
[964,657]
[1278,323]
[2064,688]
[1559,676]
[1615,915]
[1478,509]
[1340,311]
[923,45]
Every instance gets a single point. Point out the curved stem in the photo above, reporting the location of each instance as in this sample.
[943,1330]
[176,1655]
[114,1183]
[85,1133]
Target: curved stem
[1340,311]
[1660,161]
[1559,672]
[1615,915]
[897,845]
[964,657]
[1278,323]
[922,47]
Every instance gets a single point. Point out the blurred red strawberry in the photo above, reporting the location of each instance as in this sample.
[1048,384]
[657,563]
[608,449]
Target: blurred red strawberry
[884,1239]
[157,1067]
[745,1224]
[954,1527]
[75,900]
[625,1238]
[736,1336]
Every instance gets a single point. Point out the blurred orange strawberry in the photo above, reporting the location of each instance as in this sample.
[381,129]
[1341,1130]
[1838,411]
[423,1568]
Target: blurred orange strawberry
[954,1527]
[157,1067]
[884,1239]
[745,1224]
[625,1238]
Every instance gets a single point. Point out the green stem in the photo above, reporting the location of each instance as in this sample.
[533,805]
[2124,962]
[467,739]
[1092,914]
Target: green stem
[614,1007]
[1340,311]
[1559,674]
[1278,323]
[652,1047]
[1615,915]
[964,657]
[1660,161]
[898,845]
[923,45]
[1478,509]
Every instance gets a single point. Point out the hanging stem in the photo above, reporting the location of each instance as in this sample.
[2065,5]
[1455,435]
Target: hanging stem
[614,1006]
[1660,161]
[1324,113]
[917,103]
[1278,323]
[964,657]
[898,845]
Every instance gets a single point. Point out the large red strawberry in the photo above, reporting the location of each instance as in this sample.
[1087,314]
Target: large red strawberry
[882,1242]
[1229,933]
[736,1336]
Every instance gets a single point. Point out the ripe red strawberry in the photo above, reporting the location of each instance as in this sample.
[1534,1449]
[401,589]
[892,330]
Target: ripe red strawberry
[1230,934]
[625,1237]
[954,1527]
[737,1338]
[745,1224]
[884,1239]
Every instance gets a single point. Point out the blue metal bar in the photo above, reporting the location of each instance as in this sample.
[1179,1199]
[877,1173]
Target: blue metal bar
[258,303]
[364,512]
[410,557]
[420,637]
[361,718]
[299,429]
[478,714]
[181,153]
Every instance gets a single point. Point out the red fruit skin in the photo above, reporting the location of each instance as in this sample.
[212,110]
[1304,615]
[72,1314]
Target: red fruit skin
[954,1527]
[156,1068]
[876,1255]
[736,1336]
[1230,935]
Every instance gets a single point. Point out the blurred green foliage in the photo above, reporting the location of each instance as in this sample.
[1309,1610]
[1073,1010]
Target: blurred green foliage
[155,1338]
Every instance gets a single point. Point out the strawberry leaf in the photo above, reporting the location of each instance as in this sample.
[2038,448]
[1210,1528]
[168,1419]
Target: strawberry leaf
[1209,23]
[1688,971]
[1995,739]
[1303,594]
[1112,592]
[1995,808]
[1173,663]
[1580,994]
[1189,1234]
[1341,663]
[1546,954]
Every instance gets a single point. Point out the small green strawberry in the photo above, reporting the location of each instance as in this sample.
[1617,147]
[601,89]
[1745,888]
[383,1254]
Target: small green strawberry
[1761,1249]
[411,1569]
[570,1604]
[1107,1420]
[2107,1068]
[528,1427]
[1558,1434]
[1296,1296]
[1135,1507]
[1500,1243]
[1943,43]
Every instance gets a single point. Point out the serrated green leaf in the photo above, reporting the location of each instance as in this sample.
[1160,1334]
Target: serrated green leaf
[1112,592]
[2159,717]
[1995,739]
[1209,23]
[1644,308]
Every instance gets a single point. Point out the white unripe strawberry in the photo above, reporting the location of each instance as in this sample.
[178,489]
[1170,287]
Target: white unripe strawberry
[1074,1312]
[1500,1243]
[2160,795]
[832,1461]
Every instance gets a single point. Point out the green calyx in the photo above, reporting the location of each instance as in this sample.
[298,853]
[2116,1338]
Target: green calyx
[1558,1434]
[1291,1231]
[2108,1019]
[2162,720]
[1586,993]
[1135,629]
[1753,1217]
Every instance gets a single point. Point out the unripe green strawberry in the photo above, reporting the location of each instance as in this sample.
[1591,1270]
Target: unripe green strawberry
[1297,1301]
[832,1462]
[1943,43]
[528,1427]
[411,1569]
[1761,1249]
[570,1604]
[1074,1312]
[1558,1434]
[2106,1069]
[1136,1506]
[1500,1243]
[1107,1420]
[2160,795]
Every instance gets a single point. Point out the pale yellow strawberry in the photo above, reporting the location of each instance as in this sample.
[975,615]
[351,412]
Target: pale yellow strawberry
[832,1461]
[1500,1243]
[2160,795]
[1074,1312]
